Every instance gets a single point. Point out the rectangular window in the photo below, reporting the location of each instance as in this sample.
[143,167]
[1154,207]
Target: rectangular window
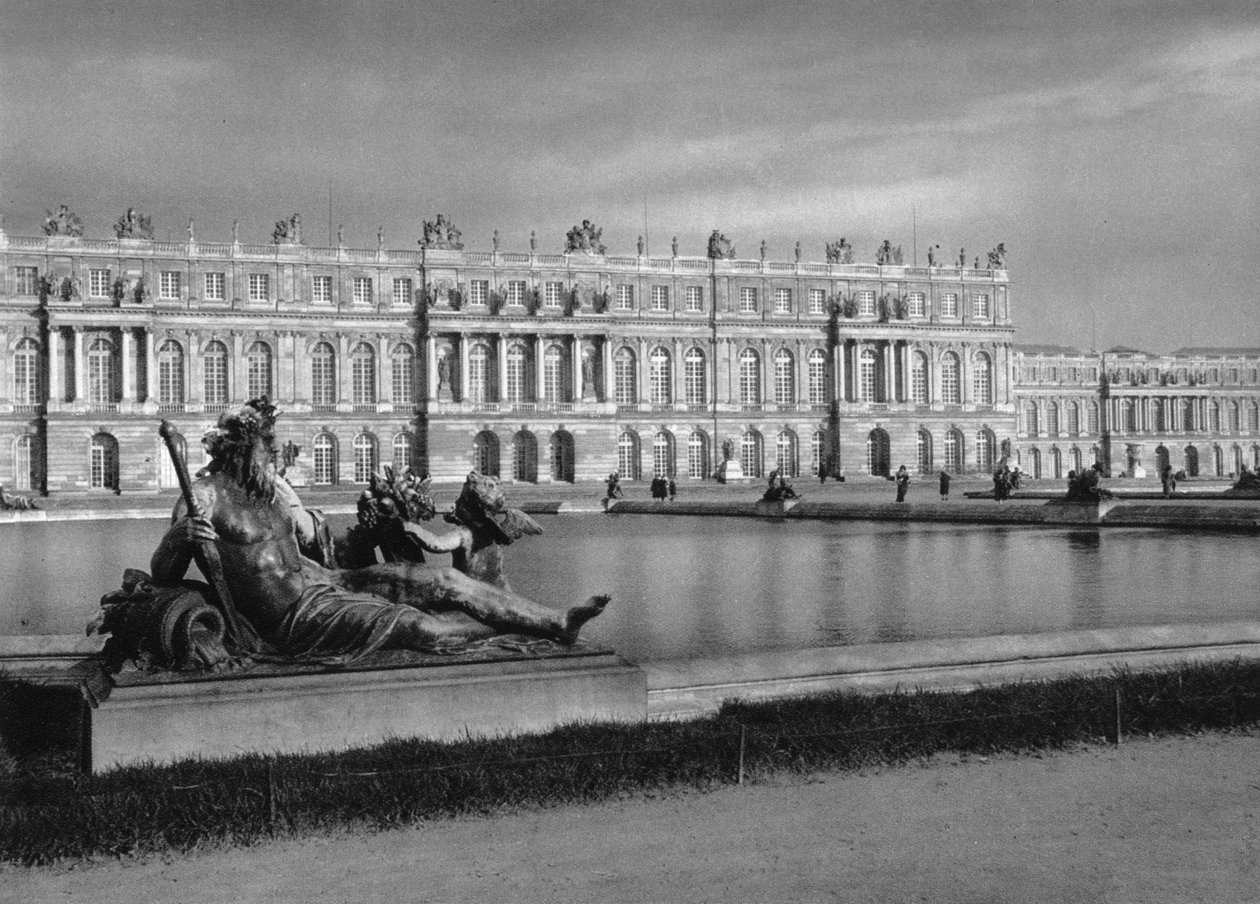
[98,283]
[694,299]
[361,290]
[479,291]
[917,304]
[747,300]
[818,301]
[259,287]
[553,295]
[516,292]
[660,298]
[321,289]
[402,291]
[980,306]
[949,305]
[783,301]
[866,303]
[215,285]
[625,298]
[169,284]
[27,282]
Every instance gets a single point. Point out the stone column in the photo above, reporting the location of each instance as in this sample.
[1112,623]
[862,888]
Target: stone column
[677,393]
[500,380]
[767,372]
[575,368]
[641,375]
[840,375]
[150,366]
[889,370]
[129,365]
[430,368]
[464,382]
[539,382]
[607,376]
[344,374]
[80,367]
[196,372]
[55,392]
[907,354]
[238,389]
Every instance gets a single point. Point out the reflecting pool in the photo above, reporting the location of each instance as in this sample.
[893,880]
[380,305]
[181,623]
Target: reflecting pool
[689,586]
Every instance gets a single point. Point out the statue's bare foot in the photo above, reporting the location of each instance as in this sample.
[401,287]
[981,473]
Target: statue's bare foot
[576,617]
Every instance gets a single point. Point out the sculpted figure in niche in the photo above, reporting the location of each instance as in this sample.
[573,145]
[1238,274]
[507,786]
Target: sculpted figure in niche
[287,594]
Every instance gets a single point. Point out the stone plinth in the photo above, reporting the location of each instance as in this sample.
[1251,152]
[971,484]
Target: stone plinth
[162,720]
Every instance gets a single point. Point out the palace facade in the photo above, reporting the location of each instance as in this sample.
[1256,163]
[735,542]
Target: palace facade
[564,367]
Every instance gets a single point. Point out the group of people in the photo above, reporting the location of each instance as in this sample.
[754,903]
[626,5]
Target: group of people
[664,487]
[1005,479]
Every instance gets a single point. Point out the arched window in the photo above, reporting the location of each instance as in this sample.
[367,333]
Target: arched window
[695,377]
[625,379]
[786,457]
[517,378]
[919,379]
[363,375]
[324,457]
[1034,463]
[985,446]
[26,372]
[817,449]
[1077,462]
[784,377]
[170,375]
[100,373]
[525,458]
[258,370]
[1052,418]
[663,454]
[1232,421]
[554,374]
[982,379]
[1091,418]
[1214,417]
[402,374]
[923,451]
[878,453]
[1192,461]
[659,377]
[479,374]
[1128,417]
[25,463]
[364,457]
[1218,461]
[168,477]
[628,455]
[1032,423]
[323,376]
[1161,458]
[1158,422]
[562,456]
[214,364]
[486,453]
[1253,418]
[1187,415]
[953,450]
[816,365]
[402,451]
[1073,418]
[867,372]
[951,379]
[750,453]
[749,377]
[103,462]
[698,455]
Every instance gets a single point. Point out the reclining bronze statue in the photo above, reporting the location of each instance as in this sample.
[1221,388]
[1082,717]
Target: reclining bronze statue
[281,595]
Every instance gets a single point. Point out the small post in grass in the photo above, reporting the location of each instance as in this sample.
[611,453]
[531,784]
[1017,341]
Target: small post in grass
[742,734]
[1117,690]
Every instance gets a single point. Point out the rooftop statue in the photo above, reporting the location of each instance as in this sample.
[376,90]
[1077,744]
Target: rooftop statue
[281,594]
[288,232]
[441,233]
[63,222]
[997,257]
[584,238]
[132,225]
[720,247]
[840,252]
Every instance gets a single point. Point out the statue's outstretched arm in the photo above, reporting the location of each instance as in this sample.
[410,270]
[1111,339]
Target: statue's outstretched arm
[175,551]
[431,542]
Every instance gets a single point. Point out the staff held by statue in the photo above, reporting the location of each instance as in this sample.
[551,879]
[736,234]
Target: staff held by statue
[207,554]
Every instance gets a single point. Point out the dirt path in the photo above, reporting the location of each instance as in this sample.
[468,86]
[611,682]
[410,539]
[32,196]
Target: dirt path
[1153,821]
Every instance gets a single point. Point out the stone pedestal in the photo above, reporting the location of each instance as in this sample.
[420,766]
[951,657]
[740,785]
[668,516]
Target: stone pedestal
[730,471]
[162,720]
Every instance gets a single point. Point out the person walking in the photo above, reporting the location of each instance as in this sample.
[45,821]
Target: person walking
[944,485]
[903,483]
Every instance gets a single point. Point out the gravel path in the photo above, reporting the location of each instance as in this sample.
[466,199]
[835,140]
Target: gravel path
[1172,820]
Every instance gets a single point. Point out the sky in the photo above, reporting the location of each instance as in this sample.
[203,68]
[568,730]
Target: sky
[1114,148]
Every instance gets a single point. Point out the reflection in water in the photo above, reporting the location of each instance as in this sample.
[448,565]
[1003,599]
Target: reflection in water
[688,587]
